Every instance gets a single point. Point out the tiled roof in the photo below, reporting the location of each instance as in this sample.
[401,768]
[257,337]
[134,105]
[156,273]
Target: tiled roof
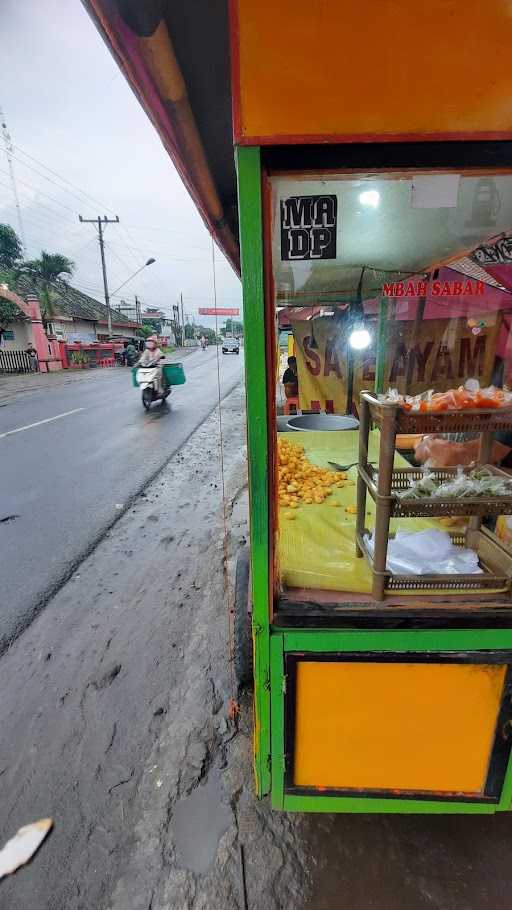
[68,301]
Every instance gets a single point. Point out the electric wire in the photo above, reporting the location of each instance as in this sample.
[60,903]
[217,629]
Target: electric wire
[228,587]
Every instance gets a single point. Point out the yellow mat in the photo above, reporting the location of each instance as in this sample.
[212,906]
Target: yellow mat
[317,548]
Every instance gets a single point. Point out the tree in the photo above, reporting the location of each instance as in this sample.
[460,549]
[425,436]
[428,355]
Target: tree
[209,334]
[11,247]
[190,330]
[47,269]
[9,312]
[233,327]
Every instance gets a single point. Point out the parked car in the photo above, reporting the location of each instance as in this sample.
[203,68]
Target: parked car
[231,346]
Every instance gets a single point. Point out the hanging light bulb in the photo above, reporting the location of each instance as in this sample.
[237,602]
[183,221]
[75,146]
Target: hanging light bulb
[359,338]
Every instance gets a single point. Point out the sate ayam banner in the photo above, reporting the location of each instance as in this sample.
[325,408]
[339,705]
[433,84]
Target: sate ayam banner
[438,354]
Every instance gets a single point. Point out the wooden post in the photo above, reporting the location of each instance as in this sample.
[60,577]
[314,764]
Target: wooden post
[364,432]
[383,505]
[484,457]
[380,364]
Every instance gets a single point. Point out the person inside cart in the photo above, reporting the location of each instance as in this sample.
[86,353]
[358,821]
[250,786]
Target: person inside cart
[291,379]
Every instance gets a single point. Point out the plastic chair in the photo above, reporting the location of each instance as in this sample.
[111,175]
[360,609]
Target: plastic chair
[291,405]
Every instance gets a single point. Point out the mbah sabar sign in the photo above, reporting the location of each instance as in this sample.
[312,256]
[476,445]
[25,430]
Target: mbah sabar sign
[467,288]
[308,227]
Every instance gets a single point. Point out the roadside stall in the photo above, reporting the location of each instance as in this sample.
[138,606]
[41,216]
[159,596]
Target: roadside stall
[382,222]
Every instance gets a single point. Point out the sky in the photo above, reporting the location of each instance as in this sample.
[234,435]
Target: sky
[83,145]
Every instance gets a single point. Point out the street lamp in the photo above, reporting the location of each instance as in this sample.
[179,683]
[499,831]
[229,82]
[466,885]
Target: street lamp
[149,262]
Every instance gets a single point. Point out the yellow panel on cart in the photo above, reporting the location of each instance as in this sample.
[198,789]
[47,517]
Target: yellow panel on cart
[395,726]
[345,70]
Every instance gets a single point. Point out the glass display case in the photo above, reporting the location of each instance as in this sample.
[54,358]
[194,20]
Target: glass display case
[398,283]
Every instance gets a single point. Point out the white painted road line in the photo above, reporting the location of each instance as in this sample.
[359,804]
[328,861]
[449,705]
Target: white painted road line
[40,422]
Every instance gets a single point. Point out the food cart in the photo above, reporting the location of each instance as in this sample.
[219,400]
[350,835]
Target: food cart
[374,203]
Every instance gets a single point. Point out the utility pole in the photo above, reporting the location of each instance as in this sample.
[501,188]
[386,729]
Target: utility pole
[138,317]
[182,320]
[100,222]
[9,152]
[176,313]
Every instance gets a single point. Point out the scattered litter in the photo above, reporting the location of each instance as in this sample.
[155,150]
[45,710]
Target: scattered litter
[21,848]
[233,709]
[159,783]
[119,505]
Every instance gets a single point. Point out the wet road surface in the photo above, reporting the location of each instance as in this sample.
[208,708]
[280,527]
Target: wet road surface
[82,451]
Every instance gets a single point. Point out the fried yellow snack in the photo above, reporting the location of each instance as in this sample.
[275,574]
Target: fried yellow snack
[299,480]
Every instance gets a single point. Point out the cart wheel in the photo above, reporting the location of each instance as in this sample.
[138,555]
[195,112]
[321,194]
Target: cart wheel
[242,631]
[147,398]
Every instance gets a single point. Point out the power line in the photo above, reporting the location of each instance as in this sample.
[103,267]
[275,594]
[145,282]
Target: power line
[37,190]
[92,198]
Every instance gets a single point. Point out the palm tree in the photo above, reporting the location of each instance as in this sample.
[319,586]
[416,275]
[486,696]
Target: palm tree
[47,269]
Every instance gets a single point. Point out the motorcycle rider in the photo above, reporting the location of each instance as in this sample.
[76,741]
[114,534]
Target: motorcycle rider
[150,357]
[130,352]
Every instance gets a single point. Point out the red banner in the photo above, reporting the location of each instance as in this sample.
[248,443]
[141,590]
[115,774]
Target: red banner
[220,311]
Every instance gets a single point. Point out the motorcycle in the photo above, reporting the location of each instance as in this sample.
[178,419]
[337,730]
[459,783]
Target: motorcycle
[147,380]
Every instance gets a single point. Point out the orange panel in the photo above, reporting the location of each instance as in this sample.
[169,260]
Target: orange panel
[341,69]
[405,726]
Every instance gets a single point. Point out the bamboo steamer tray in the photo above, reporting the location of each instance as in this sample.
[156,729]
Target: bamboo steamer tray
[403,507]
[495,578]
[475,420]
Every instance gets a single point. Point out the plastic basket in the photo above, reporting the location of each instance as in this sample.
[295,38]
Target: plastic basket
[472,421]
[174,373]
[494,560]
[402,507]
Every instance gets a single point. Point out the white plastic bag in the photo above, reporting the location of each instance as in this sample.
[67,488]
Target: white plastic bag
[429,552]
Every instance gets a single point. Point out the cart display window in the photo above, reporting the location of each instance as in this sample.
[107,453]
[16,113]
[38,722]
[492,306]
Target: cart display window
[398,284]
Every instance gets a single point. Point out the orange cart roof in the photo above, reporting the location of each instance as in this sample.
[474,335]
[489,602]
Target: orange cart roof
[175,56]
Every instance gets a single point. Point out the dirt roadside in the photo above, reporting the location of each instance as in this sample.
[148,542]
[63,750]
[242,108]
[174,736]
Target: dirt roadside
[119,714]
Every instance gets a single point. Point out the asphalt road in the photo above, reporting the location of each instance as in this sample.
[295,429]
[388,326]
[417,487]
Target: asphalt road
[64,481]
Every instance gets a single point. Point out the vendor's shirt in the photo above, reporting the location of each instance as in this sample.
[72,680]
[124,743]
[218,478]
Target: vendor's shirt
[290,377]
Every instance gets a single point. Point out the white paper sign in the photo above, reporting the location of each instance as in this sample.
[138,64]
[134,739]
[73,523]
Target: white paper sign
[435,191]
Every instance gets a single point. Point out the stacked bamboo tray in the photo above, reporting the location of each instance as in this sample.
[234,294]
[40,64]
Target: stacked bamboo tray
[385,486]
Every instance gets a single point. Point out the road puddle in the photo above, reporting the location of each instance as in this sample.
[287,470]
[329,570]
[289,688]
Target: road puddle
[199,821]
